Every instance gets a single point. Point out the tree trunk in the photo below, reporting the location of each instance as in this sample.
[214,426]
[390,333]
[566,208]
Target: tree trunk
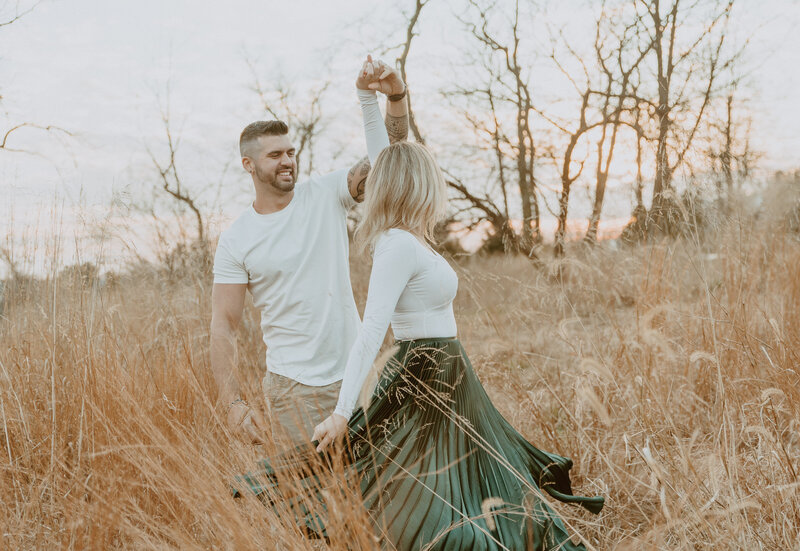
[636,230]
[524,186]
[663,177]
[537,228]
[563,200]
[599,194]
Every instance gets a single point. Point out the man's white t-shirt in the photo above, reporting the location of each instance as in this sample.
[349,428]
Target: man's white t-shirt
[295,264]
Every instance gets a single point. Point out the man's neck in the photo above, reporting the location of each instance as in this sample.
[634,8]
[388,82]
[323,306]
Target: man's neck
[272,200]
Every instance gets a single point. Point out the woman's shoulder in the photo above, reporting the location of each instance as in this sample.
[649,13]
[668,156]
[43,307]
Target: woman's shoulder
[397,232]
[397,235]
[396,239]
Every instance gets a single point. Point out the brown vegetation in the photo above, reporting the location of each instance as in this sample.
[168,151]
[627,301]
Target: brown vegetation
[667,372]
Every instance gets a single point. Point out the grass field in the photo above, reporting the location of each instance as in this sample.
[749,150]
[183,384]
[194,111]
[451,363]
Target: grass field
[667,371]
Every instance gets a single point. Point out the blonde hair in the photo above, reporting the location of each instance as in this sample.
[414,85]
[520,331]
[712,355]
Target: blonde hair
[405,189]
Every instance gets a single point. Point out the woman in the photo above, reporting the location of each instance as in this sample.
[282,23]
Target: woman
[438,465]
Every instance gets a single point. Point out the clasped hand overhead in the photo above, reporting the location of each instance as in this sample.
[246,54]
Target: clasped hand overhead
[377,75]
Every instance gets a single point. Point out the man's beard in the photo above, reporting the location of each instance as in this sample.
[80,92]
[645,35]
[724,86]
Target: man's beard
[271,179]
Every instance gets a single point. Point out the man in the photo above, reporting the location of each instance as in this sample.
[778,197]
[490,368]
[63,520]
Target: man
[290,250]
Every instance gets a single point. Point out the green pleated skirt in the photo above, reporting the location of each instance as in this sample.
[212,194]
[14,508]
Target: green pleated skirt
[438,466]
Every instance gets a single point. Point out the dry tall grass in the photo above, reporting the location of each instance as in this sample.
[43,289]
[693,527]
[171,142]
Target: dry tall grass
[667,372]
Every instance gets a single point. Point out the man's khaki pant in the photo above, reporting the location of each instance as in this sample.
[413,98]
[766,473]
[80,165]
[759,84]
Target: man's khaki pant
[295,409]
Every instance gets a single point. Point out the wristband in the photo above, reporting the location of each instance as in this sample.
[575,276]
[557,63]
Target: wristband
[398,97]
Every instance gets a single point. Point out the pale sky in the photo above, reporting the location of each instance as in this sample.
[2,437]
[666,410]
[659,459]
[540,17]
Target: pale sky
[100,69]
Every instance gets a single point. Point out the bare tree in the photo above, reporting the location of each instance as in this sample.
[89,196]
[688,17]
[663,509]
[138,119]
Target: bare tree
[6,146]
[171,181]
[481,206]
[515,93]
[574,136]
[618,78]
[730,150]
[726,157]
[6,20]
[18,14]
[597,112]
[651,75]
[481,112]
[401,64]
[639,184]
[686,65]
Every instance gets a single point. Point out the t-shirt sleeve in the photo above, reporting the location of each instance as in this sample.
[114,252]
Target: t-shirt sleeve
[393,265]
[228,268]
[333,186]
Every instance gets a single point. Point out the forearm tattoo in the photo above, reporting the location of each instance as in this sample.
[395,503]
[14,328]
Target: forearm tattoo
[357,179]
[397,128]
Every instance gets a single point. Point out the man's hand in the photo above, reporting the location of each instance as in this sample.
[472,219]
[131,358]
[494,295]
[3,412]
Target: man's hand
[246,421]
[329,430]
[377,75]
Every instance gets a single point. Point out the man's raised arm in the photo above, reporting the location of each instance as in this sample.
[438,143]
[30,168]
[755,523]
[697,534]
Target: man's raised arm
[397,115]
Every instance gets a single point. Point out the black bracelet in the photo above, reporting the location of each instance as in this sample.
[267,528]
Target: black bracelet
[398,97]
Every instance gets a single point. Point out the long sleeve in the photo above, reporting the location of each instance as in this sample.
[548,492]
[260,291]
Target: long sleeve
[374,127]
[393,266]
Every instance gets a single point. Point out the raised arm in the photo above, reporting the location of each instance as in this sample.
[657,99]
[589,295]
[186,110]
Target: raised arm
[377,75]
[397,115]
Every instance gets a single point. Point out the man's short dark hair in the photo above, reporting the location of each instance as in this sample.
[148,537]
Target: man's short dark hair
[253,130]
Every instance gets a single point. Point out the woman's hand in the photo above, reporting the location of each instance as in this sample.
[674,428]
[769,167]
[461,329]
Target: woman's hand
[329,430]
[366,75]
